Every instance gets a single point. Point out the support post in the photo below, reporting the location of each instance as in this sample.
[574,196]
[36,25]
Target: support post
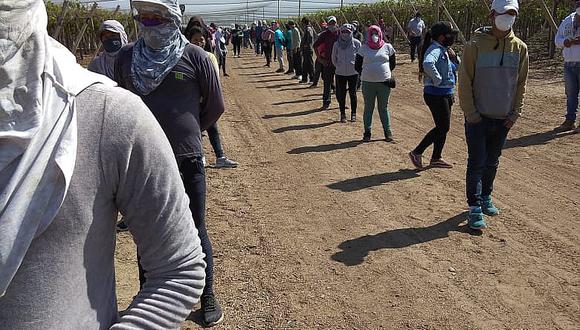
[60,19]
[83,28]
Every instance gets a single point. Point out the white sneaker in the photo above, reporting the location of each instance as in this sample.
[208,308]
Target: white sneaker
[204,161]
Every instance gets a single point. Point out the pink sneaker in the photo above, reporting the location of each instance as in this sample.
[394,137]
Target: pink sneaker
[416,160]
[440,163]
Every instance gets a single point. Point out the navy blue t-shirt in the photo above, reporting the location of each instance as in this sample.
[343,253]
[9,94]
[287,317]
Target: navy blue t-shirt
[187,102]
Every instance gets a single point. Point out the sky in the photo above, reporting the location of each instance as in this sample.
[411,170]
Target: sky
[241,11]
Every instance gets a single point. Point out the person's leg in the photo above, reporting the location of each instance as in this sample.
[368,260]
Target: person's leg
[280,58]
[317,72]
[475,135]
[571,77]
[224,66]
[370,96]
[383,93]
[436,106]
[352,83]
[307,66]
[496,136]
[341,82]
[298,62]
[327,78]
[442,124]
[290,58]
[215,140]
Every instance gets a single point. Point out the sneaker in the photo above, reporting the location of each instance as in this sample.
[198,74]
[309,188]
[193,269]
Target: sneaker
[417,160]
[389,137]
[302,82]
[353,118]
[298,77]
[313,86]
[211,311]
[289,72]
[367,137]
[225,162]
[567,125]
[439,163]
[122,226]
[487,206]
[226,75]
[280,71]
[343,118]
[476,220]
[325,106]
[204,161]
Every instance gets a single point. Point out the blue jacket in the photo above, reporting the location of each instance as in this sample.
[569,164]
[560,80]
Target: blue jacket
[439,70]
[279,40]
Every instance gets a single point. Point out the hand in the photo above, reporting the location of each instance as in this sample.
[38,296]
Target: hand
[509,123]
[568,43]
[451,53]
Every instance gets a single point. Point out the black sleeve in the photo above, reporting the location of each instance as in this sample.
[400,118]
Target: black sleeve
[392,62]
[211,92]
[358,63]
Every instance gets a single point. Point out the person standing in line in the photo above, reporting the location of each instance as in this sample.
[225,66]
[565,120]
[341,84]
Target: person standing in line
[388,31]
[279,43]
[296,54]
[376,61]
[357,33]
[259,31]
[415,30]
[438,64]
[237,36]
[112,35]
[343,58]
[199,22]
[306,47]
[317,64]
[268,43]
[568,38]
[288,46]
[221,50]
[179,84]
[492,85]
[323,49]
[76,152]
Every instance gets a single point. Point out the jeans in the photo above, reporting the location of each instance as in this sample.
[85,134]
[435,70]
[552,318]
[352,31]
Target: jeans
[485,141]
[307,65]
[327,78]
[222,63]
[193,176]
[440,107]
[317,72]
[259,46]
[415,42]
[215,141]
[267,47]
[297,57]
[290,57]
[376,92]
[341,89]
[280,56]
[572,83]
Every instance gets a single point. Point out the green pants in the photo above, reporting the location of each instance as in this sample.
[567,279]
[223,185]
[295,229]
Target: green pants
[376,92]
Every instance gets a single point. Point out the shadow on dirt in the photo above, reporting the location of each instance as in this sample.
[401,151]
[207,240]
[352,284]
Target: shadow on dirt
[374,180]
[325,147]
[355,251]
[292,114]
[196,317]
[295,101]
[302,127]
[535,139]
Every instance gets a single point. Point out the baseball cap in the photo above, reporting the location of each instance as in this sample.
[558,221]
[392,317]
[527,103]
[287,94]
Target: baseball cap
[502,6]
[331,19]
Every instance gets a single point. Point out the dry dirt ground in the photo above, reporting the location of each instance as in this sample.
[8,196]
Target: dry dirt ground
[317,231]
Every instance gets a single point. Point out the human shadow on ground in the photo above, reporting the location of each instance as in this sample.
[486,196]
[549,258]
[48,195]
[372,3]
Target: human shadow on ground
[355,251]
[196,317]
[260,74]
[289,83]
[374,180]
[325,147]
[302,127]
[268,80]
[295,101]
[292,114]
[536,139]
[293,87]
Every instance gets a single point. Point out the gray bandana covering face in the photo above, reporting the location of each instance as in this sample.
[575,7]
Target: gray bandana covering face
[159,48]
[38,136]
[106,60]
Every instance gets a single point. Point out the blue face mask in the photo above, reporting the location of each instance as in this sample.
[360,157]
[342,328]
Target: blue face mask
[112,45]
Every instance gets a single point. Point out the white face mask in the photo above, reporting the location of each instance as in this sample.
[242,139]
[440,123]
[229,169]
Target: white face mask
[375,38]
[578,11]
[504,22]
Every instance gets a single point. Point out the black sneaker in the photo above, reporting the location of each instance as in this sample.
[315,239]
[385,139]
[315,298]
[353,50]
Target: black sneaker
[353,118]
[122,226]
[389,137]
[367,137]
[211,311]
[343,118]
[325,106]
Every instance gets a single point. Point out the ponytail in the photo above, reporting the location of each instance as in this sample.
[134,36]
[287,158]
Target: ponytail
[427,40]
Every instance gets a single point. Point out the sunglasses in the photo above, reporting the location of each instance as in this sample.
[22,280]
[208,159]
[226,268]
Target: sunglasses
[151,20]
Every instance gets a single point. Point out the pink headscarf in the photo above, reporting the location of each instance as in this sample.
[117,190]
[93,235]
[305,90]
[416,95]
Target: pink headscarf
[375,45]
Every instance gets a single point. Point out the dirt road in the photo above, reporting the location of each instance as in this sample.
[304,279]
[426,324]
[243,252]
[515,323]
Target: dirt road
[316,230]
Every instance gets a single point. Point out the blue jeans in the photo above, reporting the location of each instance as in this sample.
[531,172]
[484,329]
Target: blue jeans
[572,81]
[485,141]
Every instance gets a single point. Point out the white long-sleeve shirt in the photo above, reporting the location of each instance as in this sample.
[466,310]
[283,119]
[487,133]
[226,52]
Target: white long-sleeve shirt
[568,30]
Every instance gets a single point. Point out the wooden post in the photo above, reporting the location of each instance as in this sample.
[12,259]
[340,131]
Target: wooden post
[437,14]
[83,28]
[60,19]
[450,18]
[549,17]
[552,34]
[398,23]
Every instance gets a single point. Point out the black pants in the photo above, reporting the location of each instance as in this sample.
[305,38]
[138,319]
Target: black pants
[440,106]
[341,89]
[237,47]
[328,79]
[307,66]
[259,46]
[297,57]
[222,63]
[317,72]
[415,42]
[267,52]
[215,140]
[290,57]
[193,176]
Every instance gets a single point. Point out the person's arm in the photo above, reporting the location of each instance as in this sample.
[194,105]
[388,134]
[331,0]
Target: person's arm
[430,68]
[334,57]
[139,169]
[392,57]
[317,43]
[521,88]
[94,66]
[358,63]
[213,105]
[465,86]
[560,38]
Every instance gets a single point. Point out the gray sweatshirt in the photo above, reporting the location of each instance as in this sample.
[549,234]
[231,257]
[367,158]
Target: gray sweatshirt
[67,279]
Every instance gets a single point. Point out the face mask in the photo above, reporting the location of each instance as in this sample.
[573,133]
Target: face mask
[449,40]
[160,36]
[578,11]
[375,38]
[13,33]
[504,22]
[332,28]
[112,45]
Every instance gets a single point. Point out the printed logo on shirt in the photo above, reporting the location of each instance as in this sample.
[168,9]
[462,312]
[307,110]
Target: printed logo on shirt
[179,75]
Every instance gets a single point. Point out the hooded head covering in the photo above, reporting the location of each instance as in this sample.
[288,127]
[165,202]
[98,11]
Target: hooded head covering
[345,38]
[159,47]
[38,137]
[105,62]
[373,29]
